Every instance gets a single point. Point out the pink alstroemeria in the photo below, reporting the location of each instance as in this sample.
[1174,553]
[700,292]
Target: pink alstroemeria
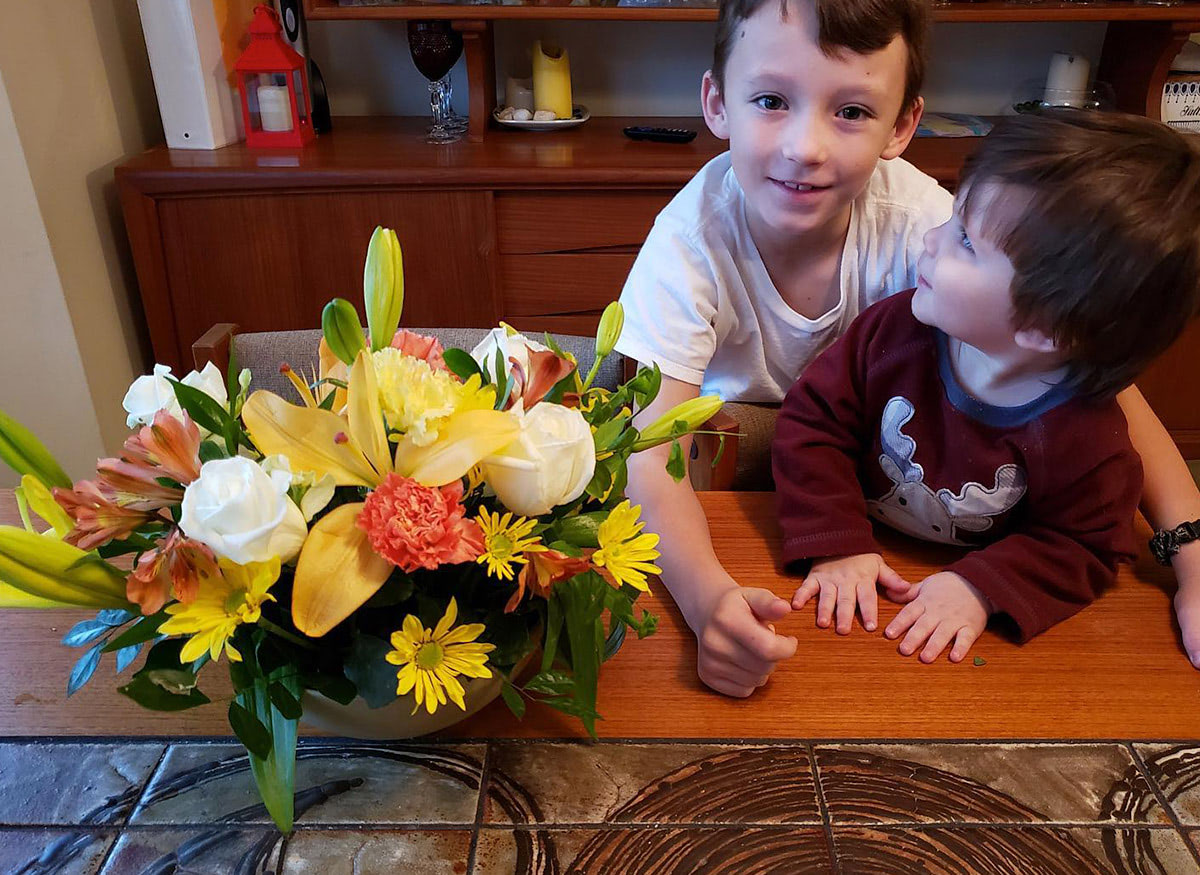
[172,569]
[546,368]
[168,444]
[544,569]
[97,515]
[420,346]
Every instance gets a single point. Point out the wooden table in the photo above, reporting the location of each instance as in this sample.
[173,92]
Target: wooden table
[1116,670]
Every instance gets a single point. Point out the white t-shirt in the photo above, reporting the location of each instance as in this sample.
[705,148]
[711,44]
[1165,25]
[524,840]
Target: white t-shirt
[699,300]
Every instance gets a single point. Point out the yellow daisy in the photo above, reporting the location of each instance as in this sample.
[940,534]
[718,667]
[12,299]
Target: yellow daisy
[432,660]
[625,553]
[223,603]
[504,542]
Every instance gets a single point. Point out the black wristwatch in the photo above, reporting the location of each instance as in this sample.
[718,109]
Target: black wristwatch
[1166,543]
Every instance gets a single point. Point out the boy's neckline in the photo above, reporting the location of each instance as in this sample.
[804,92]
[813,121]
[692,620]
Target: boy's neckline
[992,414]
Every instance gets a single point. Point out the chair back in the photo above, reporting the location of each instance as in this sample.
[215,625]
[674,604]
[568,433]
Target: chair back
[263,352]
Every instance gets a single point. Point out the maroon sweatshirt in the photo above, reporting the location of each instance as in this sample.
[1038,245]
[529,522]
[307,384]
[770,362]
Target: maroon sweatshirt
[878,426]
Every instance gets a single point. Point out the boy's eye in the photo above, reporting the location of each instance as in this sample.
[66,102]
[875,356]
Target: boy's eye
[853,113]
[769,102]
[965,240]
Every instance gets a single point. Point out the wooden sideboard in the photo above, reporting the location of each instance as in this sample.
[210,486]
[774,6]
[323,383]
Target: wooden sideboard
[537,229]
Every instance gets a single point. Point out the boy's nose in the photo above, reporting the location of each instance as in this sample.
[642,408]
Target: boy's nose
[806,143]
[931,239]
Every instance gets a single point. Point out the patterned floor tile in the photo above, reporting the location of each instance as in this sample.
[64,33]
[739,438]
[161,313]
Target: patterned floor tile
[1175,768]
[982,783]
[634,851]
[58,851]
[197,851]
[342,852]
[346,783]
[72,783]
[650,783]
[1012,851]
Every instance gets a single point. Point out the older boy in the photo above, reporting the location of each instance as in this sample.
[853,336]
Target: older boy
[768,254]
[979,409]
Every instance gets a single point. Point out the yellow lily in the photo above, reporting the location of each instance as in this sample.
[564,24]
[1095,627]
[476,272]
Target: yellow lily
[463,442]
[337,571]
[46,572]
[383,286]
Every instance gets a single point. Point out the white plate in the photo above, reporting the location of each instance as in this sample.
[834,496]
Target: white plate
[581,115]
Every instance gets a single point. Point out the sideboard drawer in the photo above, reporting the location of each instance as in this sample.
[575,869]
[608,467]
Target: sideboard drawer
[542,285]
[531,222]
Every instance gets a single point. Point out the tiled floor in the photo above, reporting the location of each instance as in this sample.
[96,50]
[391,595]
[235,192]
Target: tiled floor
[634,808]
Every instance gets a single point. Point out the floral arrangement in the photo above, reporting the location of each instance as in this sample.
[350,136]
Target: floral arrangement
[417,517]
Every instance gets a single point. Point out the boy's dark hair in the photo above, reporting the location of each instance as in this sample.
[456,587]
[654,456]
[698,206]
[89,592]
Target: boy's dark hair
[861,26]
[1106,251]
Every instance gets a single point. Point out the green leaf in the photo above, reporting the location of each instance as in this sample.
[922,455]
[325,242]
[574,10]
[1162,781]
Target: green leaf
[274,773]
[499,369]
[396,589]
[583,603]
[287,704]
[141,631]
[231,380]
[512,699]
[554,622]
[582,530]
[552,683]
[339,689]
[250,731]
[204,410]
[720,450]
[374,676]
[461,363]
[979,660]
[609,432]
[150,695]
[588,716]
[675,464]
[601,482]
[83,670]
[616,637]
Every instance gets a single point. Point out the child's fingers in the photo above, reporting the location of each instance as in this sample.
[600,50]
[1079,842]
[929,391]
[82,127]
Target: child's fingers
[825,604]
[868,606]
[890,580]
[908,615]
[938,641]
[903,596]
[918,634]
[806,591]
[847,601]
[962,643]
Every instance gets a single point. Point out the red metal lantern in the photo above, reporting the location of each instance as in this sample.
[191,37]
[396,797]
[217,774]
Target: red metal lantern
[273,84]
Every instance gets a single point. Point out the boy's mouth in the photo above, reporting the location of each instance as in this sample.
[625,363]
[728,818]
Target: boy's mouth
[799,186]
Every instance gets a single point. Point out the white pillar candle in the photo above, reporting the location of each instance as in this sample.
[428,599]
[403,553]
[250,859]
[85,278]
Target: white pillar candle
[274,108]
[518,93]
[1067,80]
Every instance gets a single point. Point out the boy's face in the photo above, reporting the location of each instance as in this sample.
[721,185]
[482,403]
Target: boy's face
[964,281]
[805,130]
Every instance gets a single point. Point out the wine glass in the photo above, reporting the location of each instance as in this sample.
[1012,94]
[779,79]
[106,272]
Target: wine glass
[435,47]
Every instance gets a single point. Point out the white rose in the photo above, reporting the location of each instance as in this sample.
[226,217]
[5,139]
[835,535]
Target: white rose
[550,463]
[151,393]
[242,512]
[514,345]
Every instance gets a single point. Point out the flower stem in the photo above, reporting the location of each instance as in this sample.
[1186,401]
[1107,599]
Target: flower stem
[285,634]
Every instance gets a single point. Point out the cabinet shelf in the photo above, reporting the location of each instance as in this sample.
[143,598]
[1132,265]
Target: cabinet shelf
[603,10]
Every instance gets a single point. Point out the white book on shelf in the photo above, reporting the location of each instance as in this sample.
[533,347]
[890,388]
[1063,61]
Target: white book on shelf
[198,106]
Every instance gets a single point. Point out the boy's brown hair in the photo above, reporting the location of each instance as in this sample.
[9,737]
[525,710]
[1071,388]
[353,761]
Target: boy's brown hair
[1106,248]
[862,26]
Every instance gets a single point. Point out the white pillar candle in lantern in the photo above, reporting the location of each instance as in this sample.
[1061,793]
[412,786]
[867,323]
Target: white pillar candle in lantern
[274,108]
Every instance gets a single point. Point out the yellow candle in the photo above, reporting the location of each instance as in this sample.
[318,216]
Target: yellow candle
[551,80]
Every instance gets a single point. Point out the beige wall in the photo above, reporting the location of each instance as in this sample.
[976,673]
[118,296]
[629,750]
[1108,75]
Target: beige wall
[82,100]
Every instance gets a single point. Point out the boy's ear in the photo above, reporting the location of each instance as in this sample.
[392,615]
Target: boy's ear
[906,127]
[1035,340]
[714,106]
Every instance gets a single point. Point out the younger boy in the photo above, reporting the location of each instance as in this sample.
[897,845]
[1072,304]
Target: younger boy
[979,409]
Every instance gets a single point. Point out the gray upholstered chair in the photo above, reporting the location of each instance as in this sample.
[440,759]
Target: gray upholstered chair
[748,428]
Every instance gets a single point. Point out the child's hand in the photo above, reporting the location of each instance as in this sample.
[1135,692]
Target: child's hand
[945,608]
[844,581]
[737,650]
[1187,599]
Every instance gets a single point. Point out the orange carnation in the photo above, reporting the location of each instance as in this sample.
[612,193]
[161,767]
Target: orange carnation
[415,526]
